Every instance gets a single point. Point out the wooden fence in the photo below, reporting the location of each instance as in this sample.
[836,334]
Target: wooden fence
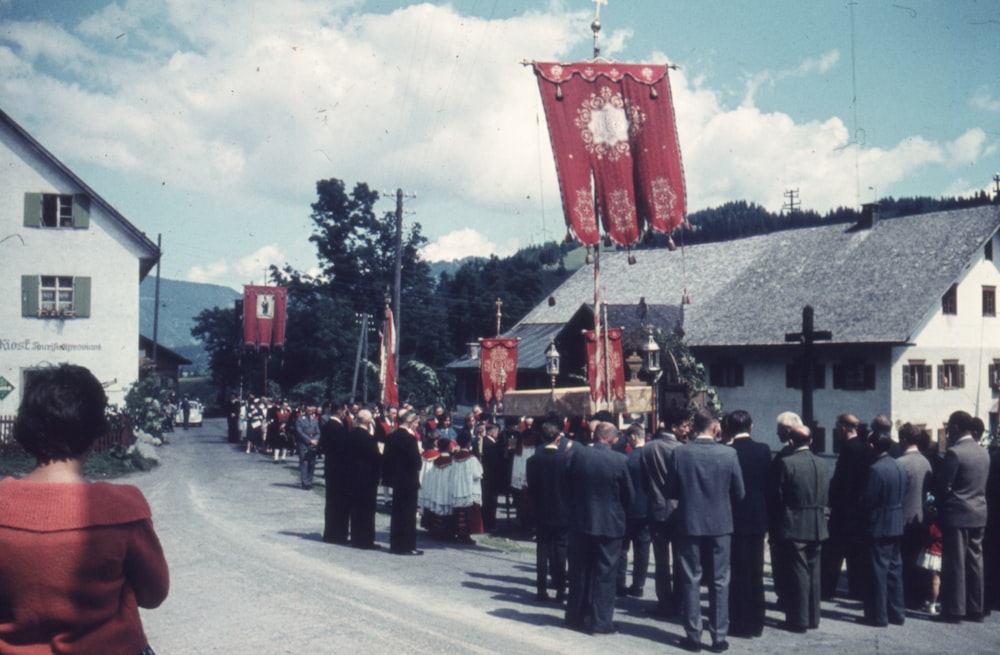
[120,433]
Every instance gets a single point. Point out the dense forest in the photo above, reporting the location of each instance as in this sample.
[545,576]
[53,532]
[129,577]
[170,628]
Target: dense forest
[439,315]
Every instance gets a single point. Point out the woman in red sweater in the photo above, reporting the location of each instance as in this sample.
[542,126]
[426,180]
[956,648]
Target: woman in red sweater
[77,559]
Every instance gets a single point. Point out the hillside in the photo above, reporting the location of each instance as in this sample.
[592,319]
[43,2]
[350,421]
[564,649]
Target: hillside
[180,303]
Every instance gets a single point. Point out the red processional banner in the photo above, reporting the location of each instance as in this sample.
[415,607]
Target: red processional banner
[498,366]
[615,121]
[387,370]
[264,316]
[601,368]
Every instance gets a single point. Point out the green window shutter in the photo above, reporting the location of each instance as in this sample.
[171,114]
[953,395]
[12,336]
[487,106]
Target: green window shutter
[81,297]
[907,381]
[29,295]
[81,211]
[32,210]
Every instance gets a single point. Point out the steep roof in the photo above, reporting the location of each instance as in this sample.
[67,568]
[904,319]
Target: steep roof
[151,253]
[872,285]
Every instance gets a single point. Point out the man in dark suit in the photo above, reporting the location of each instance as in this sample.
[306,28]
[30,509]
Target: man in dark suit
[801,495]
[657,464]
[960,489]
[494,474]
[401,464]
[601,490]
[746,590]
[637,535]
[847,525]
[707,483]
[336,471]
[365,462]
[918,480]
[883,504]
[549,494]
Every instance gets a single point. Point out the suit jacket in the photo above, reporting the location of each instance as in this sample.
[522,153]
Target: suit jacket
[657,462]
[494,465]
[364,460]
[750,514]
[707,484]
[801,490]
[548,487]
[600,488]
[401,462]
[639,507]
[961,485]
[918,476]
[883,497]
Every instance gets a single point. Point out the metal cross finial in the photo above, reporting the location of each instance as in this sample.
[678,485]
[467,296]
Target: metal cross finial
[598,3]
[499,303]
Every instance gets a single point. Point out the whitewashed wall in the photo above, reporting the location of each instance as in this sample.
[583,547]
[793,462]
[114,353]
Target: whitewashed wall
[107,342]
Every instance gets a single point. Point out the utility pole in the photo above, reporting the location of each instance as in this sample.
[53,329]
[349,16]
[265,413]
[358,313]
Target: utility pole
[156,308]
[996,180]
[792,202]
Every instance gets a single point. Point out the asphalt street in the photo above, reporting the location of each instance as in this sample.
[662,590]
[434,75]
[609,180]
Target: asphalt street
[250,574]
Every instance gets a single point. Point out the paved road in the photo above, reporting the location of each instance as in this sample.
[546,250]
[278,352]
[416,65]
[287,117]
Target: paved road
[249,574]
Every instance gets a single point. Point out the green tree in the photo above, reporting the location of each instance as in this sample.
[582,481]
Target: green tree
[218,330]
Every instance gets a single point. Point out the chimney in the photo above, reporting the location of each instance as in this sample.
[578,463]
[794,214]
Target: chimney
[472,349]
[869,215]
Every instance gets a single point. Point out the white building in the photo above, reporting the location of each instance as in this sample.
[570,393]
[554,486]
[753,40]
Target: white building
[71,266]
[911,303]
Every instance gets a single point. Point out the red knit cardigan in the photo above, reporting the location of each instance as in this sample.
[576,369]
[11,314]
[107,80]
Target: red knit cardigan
[77,560]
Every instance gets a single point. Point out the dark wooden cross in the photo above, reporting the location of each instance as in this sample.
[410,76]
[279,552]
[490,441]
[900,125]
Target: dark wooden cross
[807,337]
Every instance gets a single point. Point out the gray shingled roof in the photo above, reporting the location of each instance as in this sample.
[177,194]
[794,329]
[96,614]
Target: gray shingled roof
[866,286]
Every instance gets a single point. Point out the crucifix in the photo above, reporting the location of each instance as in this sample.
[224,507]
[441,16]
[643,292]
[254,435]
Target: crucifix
[807,337]
[499,304]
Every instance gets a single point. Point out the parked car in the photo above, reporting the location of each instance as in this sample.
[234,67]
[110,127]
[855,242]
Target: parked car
[194,417]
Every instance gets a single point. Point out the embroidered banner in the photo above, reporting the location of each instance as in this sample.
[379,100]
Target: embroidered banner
[614,371]
[387,370]
[264,316]
[498,366]
[617,122]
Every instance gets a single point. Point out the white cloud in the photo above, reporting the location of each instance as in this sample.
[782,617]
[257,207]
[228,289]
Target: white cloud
[250,269]
[983,99]
[458,245]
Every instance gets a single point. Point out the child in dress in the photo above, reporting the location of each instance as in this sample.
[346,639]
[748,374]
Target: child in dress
[930,557]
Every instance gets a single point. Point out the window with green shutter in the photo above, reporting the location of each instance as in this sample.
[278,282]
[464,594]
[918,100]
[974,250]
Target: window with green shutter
[57,210]
[55,296]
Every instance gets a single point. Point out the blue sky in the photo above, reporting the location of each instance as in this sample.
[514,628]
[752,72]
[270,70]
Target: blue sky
[209,123]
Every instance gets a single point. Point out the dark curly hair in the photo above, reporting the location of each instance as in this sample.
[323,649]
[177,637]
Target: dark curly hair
[62,413]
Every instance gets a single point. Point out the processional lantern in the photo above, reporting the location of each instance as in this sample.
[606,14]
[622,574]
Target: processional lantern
[651,354]
[552,362]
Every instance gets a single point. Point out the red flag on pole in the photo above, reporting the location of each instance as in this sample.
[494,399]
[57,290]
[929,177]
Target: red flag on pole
[615,121]
[264,316]
[605,372]
[498,366]
[387,370]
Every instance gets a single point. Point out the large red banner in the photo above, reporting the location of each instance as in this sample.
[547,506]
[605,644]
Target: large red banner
[498,366]
[617,122]
[387,370]
[264,316]
[610,368]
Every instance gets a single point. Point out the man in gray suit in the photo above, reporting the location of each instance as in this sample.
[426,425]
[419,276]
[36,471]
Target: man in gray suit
[918,475]
[657,462]
[883,502]
[800,492]
[707,483]
[960,488]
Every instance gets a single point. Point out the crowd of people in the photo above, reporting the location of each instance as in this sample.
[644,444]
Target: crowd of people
[905,518]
